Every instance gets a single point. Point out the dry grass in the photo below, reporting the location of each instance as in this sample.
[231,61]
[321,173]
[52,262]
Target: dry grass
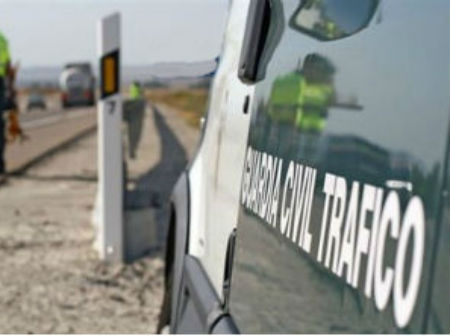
[191,103]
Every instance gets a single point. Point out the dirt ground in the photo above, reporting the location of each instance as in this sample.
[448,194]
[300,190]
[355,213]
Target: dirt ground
[51,280]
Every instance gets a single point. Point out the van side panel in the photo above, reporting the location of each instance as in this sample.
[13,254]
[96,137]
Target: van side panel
[213,188]
[215,174]
[341,192]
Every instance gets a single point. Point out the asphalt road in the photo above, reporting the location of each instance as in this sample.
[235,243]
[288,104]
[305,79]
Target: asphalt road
[47,130]
[45,118]
[53,112]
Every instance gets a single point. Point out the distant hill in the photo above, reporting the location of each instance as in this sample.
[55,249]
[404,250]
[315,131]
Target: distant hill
[170,70]
[177,72]
[29,76]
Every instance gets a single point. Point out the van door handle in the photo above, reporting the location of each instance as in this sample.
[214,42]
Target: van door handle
[246,104]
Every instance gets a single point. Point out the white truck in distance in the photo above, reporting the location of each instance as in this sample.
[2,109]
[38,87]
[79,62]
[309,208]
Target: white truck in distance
[77,85]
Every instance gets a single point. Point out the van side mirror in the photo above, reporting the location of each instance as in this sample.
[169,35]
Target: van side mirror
[256,30]
[329,20]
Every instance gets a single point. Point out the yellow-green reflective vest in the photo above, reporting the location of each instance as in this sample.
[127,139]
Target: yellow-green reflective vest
[314,105]
[331,30]
[135,92]
[293,100]
[285,97]
[4,55]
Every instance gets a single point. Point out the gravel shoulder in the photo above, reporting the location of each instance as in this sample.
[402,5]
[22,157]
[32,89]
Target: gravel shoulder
[51,279]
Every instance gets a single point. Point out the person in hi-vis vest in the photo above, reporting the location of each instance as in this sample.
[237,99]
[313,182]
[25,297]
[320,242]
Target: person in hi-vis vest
[300,100]
[6,72]
[134,116]
[135,92]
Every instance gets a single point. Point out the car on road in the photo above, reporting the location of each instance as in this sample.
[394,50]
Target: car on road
[318,200]
[36,101]
[77,85]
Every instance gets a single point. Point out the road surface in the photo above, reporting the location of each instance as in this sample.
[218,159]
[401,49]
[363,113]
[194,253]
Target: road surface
[46,130]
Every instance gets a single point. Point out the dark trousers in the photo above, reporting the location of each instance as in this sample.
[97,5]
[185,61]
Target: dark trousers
[2,126]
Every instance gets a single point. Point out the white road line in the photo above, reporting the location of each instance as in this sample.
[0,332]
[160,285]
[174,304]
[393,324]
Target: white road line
[56,118]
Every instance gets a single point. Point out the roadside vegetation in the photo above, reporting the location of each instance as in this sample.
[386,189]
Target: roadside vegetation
[190,102]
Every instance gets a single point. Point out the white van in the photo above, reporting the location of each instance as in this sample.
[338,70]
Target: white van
[208,191]
[319,199]
[77,84]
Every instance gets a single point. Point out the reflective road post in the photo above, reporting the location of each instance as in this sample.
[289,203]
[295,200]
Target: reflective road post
[110,169]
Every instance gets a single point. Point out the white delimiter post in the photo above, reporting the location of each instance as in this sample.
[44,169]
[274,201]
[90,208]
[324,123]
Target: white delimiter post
[110,169]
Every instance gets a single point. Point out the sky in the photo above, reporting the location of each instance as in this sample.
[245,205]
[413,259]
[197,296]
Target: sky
[54,32]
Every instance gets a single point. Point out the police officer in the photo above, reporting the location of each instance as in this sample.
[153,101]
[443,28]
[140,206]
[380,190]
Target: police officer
[316,93]
[301,99]
[5,81]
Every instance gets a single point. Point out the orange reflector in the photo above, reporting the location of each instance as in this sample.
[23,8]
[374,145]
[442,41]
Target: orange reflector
[109,79]
[110,74]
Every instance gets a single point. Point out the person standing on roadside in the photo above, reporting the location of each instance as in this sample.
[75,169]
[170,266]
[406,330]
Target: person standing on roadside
[6,72]
[134,115]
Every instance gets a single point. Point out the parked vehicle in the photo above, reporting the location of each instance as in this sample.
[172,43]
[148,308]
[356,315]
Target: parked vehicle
[36,101]
[77,85]
[318,199]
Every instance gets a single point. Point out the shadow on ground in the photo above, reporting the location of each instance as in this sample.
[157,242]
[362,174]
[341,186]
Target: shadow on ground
[153,188]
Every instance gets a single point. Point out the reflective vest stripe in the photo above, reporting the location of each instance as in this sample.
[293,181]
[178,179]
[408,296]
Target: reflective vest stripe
[135,92]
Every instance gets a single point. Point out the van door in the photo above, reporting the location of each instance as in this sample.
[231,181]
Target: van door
[344,167]
[439,303]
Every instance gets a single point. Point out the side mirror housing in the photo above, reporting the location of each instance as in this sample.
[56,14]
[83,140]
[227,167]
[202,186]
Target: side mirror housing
[258,21]
[329,20]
